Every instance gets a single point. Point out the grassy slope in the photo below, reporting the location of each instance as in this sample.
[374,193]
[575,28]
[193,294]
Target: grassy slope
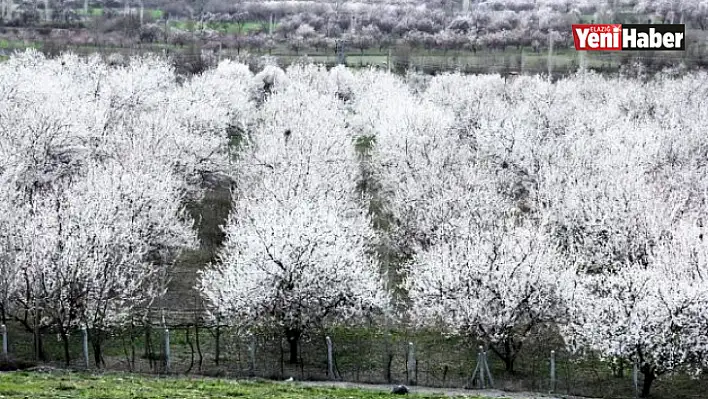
[64,385]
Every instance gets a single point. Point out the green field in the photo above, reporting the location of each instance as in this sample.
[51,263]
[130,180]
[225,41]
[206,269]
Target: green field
[16,44]
[22,385]
[93,11]
[98,11]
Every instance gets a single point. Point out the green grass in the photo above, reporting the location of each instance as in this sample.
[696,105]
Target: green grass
[155,13]
[118,386]
[16,44]
[92,11]
[98,11]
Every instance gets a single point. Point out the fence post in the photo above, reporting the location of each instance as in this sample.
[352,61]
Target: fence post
[167,350]
[84,345]
[3,329]
[330,358]
[480,362]
[411,364]
[553,371]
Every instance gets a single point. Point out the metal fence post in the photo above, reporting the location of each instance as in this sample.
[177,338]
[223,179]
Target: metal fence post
[553,371]
[167,350]
[84,345]
[330,358]
[411,364]
[480,362]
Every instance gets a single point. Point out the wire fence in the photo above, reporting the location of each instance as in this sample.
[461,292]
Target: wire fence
[368,354]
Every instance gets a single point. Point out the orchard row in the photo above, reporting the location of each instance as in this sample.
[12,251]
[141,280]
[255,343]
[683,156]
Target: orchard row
[492,207]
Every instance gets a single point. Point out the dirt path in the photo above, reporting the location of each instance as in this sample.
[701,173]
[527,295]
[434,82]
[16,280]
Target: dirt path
[485,393]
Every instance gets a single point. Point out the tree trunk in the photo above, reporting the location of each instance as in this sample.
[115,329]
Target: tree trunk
[97,351]
[191,351]
[148,345]
[293,336]
[199,345]
[65,344]
[389,362]
[649,377]
[217,339]
[38,344]
[39,347]
[507,354]
[508,364]
[132,346]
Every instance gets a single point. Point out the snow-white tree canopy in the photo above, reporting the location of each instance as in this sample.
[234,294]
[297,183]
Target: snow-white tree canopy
[97,165]
[653,314]
[297,250]
[514,204]
[496,282]
[90,243]
[296,263]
